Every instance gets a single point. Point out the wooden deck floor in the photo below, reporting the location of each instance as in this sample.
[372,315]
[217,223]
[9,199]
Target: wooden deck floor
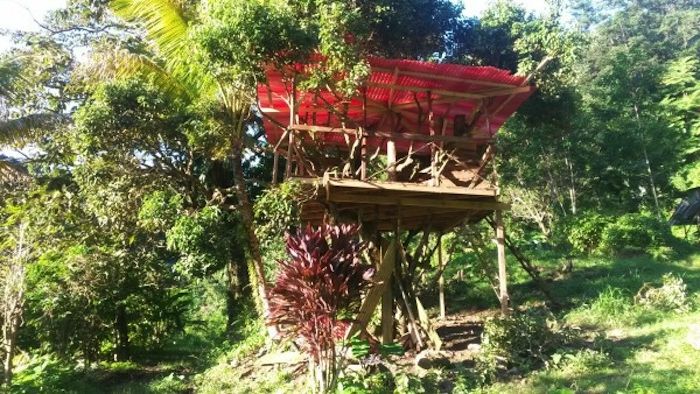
[382,204]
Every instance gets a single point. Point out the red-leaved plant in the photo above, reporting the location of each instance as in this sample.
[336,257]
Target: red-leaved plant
[317,292]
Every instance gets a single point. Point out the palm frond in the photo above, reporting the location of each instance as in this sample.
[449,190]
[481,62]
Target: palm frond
[21,131]
[9,72]
[12,171]
[166,25]
[121,64]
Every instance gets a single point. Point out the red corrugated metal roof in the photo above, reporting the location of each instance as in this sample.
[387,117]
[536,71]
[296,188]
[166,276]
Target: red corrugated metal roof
[451,87]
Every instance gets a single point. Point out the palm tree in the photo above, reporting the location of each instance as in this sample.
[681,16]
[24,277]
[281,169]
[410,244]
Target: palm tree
[168,29]
[21,131]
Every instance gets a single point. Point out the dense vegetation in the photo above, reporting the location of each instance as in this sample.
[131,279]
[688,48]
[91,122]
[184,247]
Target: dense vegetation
[139,232]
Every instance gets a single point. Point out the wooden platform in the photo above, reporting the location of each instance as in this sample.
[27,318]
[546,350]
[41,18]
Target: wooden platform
[380,204]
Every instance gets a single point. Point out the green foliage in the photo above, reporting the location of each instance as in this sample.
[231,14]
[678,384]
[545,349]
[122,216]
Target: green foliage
[239,38]
[586,232]
[43,374]
[276,213]
[627,234]
[634,233]
[579,361]
[613,307]
[205,240]
[366,383]
[525,340]
[159,210]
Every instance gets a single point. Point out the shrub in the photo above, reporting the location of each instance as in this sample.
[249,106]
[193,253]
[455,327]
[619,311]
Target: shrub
[524,340]
[672,296]
[634,233]
[317,291]
[585,232]
[367,383]
[580,361]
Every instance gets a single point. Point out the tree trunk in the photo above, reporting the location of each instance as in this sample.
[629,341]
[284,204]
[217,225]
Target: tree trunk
[10,337]
[237,285]
[232,295]
[121,325]
[652,184]
[246,211]
[13,304]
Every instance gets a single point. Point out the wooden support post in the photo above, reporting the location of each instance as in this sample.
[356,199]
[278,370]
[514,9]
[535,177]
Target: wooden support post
[502,275]
[290,145]
[391,159]
[441,281]
[275,164]
[433,149]
[385,270]
[292,118]
[388,311]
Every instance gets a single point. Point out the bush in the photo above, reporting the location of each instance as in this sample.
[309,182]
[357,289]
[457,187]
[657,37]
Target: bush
[579,362]
[672,296]
[44,373]
[366,383]
[635,233]
[317,290]
[524,340]
[585,232]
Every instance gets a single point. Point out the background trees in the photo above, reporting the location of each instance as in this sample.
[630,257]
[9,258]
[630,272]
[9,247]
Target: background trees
[145,155]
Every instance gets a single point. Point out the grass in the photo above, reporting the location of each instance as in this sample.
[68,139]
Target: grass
[643,350]
[628,347]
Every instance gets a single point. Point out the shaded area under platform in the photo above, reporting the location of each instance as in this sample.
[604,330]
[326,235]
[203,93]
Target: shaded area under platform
[380,204]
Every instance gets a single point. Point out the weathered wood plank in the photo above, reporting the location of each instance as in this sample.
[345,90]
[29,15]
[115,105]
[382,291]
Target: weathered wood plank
[374,295]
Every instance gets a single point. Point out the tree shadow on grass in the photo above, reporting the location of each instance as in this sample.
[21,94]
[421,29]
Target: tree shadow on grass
[587,282]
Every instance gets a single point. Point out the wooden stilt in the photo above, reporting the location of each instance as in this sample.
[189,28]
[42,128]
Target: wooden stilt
[369,304]
[290,144]
[275,165]
[501,249]
[388,296]
[388,312]
[441,281]
[391,159]
[363,158]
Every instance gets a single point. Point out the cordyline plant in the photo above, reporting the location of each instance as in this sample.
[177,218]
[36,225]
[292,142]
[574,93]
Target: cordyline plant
[318,291]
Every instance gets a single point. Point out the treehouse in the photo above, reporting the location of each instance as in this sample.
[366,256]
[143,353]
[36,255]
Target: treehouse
[412,150]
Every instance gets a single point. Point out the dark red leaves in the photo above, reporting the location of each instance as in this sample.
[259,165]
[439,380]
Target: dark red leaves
[318,289]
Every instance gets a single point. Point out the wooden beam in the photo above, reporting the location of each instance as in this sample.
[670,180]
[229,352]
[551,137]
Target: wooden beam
[396,136]
[381,277]
[420,202]
[405,187]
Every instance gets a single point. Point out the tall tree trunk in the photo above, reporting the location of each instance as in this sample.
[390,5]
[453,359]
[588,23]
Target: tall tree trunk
[652,184]
[246,210]
[232,295]
[13,303]
[572,184]
[121,325]
[237,285]
[10,339]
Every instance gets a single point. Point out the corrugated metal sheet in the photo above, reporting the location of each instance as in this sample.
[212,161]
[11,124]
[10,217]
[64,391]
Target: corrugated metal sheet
[411,82]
